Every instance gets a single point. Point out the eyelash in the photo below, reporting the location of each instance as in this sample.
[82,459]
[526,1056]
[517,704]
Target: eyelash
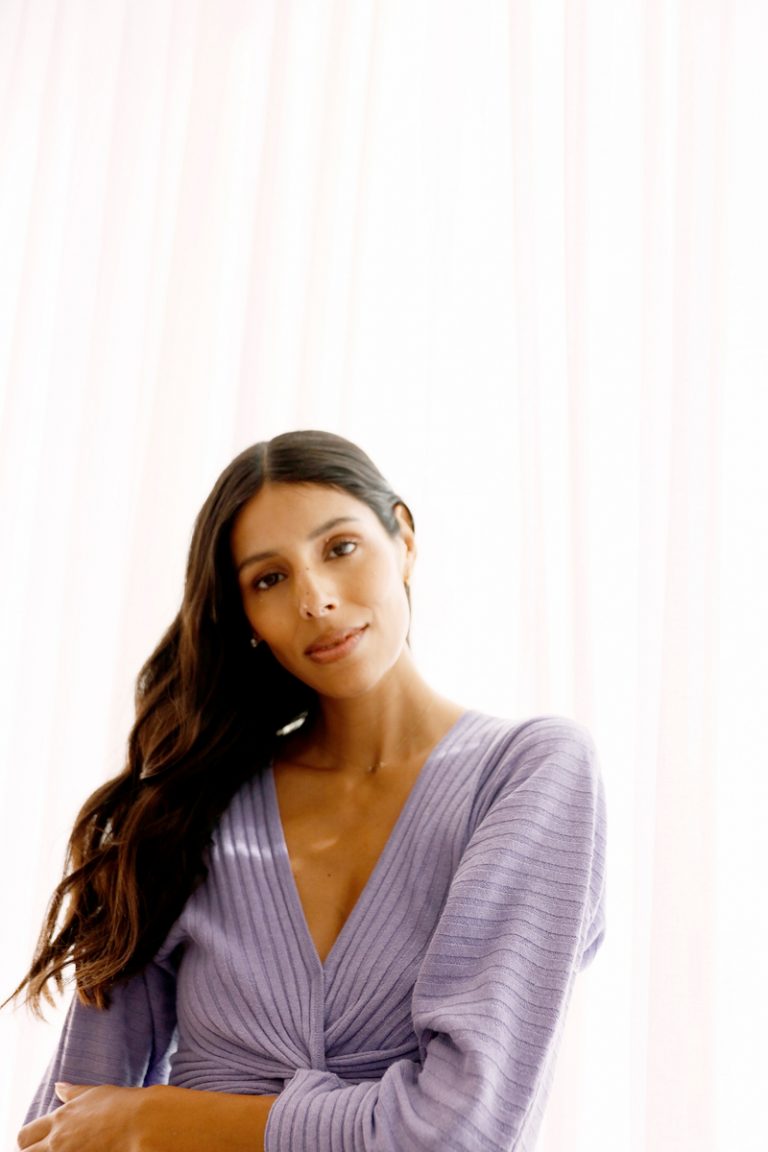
[267,575]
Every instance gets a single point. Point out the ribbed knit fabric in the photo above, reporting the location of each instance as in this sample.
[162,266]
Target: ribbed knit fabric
[435,1020]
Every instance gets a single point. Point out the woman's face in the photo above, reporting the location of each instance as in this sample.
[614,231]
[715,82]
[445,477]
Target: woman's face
[322,584]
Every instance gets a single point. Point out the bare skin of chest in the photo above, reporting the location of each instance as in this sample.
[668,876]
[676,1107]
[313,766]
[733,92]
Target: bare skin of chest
[335,830]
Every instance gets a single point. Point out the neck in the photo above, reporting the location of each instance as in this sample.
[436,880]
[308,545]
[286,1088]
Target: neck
[390,726]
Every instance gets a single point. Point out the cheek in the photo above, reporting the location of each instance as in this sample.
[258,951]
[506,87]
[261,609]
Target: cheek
[248,601]
[259,616]
[391,602]
[380,588]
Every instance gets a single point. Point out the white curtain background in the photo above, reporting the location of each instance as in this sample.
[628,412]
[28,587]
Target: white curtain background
[518,251]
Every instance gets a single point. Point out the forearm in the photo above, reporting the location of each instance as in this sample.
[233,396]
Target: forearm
[204,1121]
[157,1119]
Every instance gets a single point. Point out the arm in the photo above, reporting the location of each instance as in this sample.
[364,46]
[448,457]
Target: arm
[158,1119]
[89,1092]
[128,1044]
[524,913]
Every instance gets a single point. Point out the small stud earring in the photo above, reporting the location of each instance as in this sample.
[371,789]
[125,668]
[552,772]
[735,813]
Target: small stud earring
[254,642]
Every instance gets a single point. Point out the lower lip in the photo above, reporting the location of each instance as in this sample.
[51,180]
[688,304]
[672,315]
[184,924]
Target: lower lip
[339,651]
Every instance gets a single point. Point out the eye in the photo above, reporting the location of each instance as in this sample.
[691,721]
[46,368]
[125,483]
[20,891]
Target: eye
[344,548]
[267,581]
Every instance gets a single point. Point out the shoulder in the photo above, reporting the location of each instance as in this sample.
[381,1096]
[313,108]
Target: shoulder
[551,754]
[496,739]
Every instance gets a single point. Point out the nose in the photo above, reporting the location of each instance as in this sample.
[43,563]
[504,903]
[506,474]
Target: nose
[315,599]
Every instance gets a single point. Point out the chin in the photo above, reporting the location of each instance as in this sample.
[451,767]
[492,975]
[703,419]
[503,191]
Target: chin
[354,684]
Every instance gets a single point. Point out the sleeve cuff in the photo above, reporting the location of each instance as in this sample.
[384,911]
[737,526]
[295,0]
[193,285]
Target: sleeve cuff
[304,1085]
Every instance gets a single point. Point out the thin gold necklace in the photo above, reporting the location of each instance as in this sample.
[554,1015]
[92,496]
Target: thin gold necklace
[379,764]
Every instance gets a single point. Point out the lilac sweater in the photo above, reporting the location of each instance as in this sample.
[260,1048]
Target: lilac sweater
[435,1020]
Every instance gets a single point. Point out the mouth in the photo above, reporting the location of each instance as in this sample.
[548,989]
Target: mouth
[335,645]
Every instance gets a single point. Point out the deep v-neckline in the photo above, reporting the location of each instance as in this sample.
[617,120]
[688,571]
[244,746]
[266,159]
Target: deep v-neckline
[283,858]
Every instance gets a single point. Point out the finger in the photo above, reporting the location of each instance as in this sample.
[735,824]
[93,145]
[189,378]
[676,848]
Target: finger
[67,1092]
[33,1132]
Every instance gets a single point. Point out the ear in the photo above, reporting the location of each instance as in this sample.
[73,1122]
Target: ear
[408,537]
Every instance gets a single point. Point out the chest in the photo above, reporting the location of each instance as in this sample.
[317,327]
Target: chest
[335,833]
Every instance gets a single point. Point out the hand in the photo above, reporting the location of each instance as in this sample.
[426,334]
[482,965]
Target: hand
[160,1119]
[90,1120]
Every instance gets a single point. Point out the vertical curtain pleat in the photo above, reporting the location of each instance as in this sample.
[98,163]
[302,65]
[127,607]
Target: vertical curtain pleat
[517,250]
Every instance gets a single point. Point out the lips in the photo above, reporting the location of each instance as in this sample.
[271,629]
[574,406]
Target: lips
[330,640]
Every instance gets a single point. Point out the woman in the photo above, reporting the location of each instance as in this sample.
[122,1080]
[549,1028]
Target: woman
[323,907]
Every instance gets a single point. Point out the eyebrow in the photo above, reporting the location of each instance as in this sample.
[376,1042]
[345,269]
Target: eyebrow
[319,531]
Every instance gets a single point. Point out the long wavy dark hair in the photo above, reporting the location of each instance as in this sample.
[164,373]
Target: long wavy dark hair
[209,712]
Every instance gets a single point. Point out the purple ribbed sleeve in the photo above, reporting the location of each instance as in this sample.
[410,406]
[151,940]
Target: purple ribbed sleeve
[128,1045]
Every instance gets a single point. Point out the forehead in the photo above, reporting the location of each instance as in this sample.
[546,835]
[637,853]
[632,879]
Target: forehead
[281,514]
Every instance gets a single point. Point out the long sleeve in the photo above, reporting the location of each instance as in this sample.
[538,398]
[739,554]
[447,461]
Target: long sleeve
[524,913]
[128,1044]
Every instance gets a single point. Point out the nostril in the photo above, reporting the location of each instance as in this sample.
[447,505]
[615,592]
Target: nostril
[317,609]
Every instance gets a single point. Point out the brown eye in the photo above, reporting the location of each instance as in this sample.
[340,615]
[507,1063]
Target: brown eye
[267,581]
[348,546]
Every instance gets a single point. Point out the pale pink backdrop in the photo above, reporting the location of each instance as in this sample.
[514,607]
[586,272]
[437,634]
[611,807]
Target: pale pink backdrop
[518,251]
